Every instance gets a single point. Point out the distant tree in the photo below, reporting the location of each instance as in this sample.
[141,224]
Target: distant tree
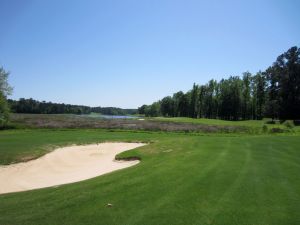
[153,110]
[5,90]
[259,94]
[177,103]
[224,105]
[200,105]
[167,106]
[4,111]
[181,104]
[246,98]
[236,98]
[209,99]
[194,101]
[217,100]
[284,85]
[142,109]
[230,98]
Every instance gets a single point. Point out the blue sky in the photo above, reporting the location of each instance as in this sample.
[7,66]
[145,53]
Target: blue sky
[127,53]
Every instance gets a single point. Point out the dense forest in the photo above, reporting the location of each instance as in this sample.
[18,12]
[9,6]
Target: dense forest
[273,93]
[37,107]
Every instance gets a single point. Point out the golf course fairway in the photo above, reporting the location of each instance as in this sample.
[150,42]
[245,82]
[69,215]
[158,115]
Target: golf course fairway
[181,179]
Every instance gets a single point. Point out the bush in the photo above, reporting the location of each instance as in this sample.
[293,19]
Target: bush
[4,111]
[270,122]
[289,124]
[265,128]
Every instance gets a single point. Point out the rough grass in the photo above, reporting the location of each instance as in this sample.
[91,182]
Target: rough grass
[182,179]
[75,121]
[180,124]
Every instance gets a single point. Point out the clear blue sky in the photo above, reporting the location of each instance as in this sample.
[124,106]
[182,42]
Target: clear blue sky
[127,53]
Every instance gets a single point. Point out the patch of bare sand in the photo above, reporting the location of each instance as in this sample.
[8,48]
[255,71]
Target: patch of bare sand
[64,165]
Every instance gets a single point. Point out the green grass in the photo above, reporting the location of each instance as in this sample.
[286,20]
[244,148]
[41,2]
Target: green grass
[182,179]
[254,124]
[22,145]
[247,123]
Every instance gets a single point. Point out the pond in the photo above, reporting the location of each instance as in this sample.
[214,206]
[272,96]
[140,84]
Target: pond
[95,115]
[118,117]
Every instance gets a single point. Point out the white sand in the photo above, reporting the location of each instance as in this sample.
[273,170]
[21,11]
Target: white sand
[64,165]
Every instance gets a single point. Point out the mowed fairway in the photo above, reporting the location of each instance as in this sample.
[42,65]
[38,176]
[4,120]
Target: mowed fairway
[182,179]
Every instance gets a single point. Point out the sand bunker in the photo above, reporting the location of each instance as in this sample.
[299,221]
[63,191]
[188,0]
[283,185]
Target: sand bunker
[64,165]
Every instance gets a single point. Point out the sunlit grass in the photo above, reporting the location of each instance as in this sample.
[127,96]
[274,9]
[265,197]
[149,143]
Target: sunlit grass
[182,179]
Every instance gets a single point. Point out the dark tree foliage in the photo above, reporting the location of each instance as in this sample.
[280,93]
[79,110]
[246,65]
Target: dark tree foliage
[37,107]
[284,85]
[274,93]
[259,95]
[167,106]
[5,90]
[142,109]
[4,111]
[194,100]
[112,111]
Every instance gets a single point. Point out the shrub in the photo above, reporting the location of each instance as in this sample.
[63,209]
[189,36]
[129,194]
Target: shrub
[271,122]
[289,124]
[265,128]
[4,111]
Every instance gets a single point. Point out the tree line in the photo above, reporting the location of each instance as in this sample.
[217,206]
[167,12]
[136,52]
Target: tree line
[272,93]
[36,107]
